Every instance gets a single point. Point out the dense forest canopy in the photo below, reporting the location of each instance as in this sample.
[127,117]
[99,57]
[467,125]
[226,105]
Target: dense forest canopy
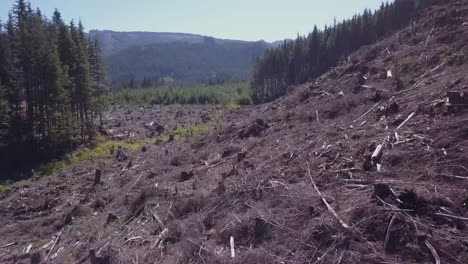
[52,83]
[204,62]
[308,57]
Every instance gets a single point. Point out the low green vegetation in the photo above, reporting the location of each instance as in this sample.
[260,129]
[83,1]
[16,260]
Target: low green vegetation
[227,93]
[105,148]
[3,189]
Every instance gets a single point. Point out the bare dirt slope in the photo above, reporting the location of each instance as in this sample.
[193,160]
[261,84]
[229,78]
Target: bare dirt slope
[293,181]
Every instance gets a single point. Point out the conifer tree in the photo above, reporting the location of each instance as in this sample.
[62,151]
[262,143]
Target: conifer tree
[306,58]
[52,81]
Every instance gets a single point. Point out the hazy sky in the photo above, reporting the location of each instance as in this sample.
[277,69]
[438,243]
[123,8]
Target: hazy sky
[235,19]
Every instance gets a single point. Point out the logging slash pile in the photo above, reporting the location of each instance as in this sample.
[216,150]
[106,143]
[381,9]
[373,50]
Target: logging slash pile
[367,164]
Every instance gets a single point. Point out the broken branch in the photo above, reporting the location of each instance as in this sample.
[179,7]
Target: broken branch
[406,121]
[389,230]
[330,209]
[53,246]
[233,250]
[363,115]
[433,251]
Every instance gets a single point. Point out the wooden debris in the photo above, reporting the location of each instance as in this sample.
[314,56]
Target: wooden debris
[377,154]
[97,177]
[330,209]
[233,250]
[160,222]
[433,251]
[406,121]
[160,238]
[53,246]
[363,115]
[120,156]
[388,233]
[9,245]
[28,248]
[453,216]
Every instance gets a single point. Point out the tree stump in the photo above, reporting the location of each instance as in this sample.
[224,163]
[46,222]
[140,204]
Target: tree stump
[97,177]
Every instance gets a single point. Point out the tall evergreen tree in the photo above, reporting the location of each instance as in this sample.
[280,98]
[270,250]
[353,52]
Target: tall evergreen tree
[99,80]
[50,90]
[308,57]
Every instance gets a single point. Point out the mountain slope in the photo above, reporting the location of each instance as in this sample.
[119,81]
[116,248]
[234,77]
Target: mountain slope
[113,41]
[187,58]
[185,62]
[292,181]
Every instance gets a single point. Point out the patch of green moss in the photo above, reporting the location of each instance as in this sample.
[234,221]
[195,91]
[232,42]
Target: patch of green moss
[3,190]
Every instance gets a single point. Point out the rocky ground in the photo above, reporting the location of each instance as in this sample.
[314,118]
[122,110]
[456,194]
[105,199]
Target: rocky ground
[355,167]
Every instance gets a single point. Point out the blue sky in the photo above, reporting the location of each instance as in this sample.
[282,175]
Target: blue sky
[269,20]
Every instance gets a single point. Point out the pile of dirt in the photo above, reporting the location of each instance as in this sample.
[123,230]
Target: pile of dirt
[367,164]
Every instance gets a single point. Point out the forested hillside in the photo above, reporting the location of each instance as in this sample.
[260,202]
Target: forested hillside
[310,56]
[52,83]
[209,61]
[114,41]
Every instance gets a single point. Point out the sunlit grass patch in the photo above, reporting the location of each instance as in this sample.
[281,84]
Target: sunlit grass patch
[104,148]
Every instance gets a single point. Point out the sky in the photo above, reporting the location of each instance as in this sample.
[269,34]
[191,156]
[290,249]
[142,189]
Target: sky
[269,20]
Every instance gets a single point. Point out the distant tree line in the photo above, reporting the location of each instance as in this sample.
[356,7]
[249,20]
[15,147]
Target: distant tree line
[146,82]
[52,82]
[235,93]
[208,62]
[306,58]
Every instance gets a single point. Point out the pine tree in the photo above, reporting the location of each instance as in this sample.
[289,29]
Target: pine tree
[50,93]
[99,81]
[307,57]
[4,116]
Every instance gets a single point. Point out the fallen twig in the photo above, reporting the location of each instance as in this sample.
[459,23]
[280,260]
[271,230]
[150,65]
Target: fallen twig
[156,216]
[406,121]
[9,245]
[453,176]
[363,115]
[53,246]
[433,251]
[330,209]
[389,230]
[168,211]
[452,216]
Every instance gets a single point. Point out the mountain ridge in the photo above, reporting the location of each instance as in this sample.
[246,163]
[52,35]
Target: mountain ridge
[184,57]
[139,38]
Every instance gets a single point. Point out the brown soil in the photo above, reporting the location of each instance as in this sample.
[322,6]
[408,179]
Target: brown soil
[182,201]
